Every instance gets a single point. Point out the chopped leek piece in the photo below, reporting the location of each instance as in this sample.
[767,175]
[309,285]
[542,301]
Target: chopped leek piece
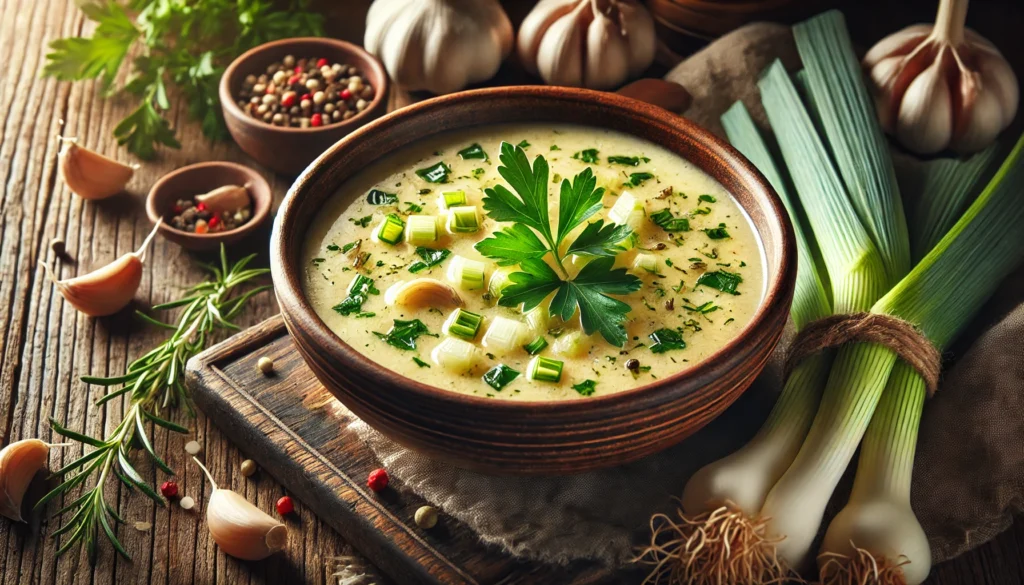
[448,199]
[499,281]
[462,323]
[463,219]
[468,274]
[455,355]
[504,335]
[378,197]
[437,173]
[574,344]
[648,263]
[537,320]
[544,369]
[536,346]
[500,376]
[421,229]
[473,151]
[628,210]
[390,230]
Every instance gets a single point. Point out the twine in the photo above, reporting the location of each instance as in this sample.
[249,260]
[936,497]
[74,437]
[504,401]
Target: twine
[902,337]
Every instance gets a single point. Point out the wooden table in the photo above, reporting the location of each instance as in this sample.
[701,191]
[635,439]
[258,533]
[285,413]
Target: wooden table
[45,345]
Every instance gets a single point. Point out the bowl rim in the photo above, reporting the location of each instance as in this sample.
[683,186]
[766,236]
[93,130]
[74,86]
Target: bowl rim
[227,100]
[259,214]
[288,288]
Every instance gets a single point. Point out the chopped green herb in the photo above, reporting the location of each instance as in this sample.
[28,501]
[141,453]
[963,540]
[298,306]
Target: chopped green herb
[318,261]
[585,388]
[637,179]
[666,340]
[411,207]
[333,247]
[404,333]
[378,197]
[345,249]
[420,362]
[702,211]
[588,156]
[721,280]
[500,376]
[631,161]
[523,144]
[473,151]
[708,307]
[430,258]
[554,147]
[742,263]
[668,262]
[365,315]
[362,221]
[361,288]
[536,346]
[478,172]
[437,173]
[708,198]
[679,287]
[665,220]
[729,320]
[718,233]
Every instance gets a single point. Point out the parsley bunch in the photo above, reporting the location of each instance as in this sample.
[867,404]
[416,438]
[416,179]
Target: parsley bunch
[182,43]
[530,240]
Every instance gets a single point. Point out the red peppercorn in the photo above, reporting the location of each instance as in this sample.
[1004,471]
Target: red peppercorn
[288,100]
[307,96]
[169,489]
[346,94]
[298,69]
[316,120]
[321,62]
[178,209]
[294,79]
[378,479]
[214,221]
[200,206]
[285,506]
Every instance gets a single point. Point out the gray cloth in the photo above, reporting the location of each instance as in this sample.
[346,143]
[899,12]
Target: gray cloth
[969,474]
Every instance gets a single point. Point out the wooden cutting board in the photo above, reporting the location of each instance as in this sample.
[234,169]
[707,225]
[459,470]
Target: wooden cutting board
[281,422]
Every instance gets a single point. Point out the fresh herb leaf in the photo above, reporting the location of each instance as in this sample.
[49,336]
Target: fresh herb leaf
[473,151]
[718,233]
[588,156]
[666,221]
[437,173]
[500,376]
[362,221]
[631,161]
[523,144]
[637,179]
[554,147]
[589,291]
[420,362]
[512,245]
[708,198]
[429,258]
[585,388]
[411,207]
[666,340]
[530,207]
[600,239]
[345,249]
[360,289]
[333,247]
[578,202]
[531,286]
[721,280]
[478,172]
[704,309]
[404,333]
[378,197]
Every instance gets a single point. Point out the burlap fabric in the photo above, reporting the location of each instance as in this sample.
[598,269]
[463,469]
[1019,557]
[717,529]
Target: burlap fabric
[969,474]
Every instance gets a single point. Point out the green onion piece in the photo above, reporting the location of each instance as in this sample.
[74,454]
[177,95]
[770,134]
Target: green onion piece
[422,229]
[448,199]
[648,263]
[585,388]
[504,335]
[455,355]
[536,346]
[462,323]
[500,376]
[468,274]
[463,219]
[390,230]
[499,281]
[544,369]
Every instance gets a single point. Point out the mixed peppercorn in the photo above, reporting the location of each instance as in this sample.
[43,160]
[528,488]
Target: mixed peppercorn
[190,216]
[305,93]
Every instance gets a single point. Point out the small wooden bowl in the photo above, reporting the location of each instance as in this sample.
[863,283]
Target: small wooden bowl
[535,438]
[289,150]
[200,178]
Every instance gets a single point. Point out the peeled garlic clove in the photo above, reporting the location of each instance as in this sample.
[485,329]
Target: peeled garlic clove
[105,290]
[608,61]
[239,528]
[226,198]
[89,174]
[19,463]
[924,123]
[423,292]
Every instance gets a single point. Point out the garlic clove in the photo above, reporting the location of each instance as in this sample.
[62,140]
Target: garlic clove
[998,78]
[423,292]
[108,289]
[897,44]
[924,123]
[226,198]
[19,463]
[560,54]
[239,528]
[638,25]
[883,76]
[532,30]
[607,61]
[981,123]
[89,174]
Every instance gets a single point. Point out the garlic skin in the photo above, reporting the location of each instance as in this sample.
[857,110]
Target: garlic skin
[108,289]
[438,45]
[89,174]
[19,463]
[239,528]
[587,43]
[942,86]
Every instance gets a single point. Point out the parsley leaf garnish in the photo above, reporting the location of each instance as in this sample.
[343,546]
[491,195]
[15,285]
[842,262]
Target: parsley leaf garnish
[523,144]
[708,198]
[666,339]
[718,233]
[721,280]
[361,288]
[665,220]
[430,258]
[404,334]
[362,221]
[637,179]
[585,388]
[500,376]
[588,156]
[632,161]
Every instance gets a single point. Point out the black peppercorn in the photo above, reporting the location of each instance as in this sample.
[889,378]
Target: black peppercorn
[633,365]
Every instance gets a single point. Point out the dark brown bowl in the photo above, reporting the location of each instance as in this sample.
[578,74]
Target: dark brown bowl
[201,178]
[289,150]
[534,437]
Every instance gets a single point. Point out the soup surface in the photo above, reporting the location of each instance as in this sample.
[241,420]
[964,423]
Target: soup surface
[693,263]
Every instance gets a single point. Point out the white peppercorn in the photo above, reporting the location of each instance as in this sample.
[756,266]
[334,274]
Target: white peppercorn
[288,61]
[426,517]
[312,84]
[265,365]
[360,105]
[270,99]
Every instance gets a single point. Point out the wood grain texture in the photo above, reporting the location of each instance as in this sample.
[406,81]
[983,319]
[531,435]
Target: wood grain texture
[45,345]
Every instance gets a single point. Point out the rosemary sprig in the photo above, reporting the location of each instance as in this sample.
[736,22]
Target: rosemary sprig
[152,382]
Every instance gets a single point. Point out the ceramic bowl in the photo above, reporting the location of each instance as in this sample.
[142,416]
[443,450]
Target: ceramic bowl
[289,150]
[200,178]
[534,438]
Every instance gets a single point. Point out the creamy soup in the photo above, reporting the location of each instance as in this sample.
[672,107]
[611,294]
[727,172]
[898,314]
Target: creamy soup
[409,264]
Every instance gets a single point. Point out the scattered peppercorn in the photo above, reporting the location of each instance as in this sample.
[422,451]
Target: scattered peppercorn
[192,217]
[633,365]
[58,246]
[285,506]
[169,489]
[670,304]
[660,246]
[426,517]
[305,93]
[193,447]
[186,503]
[265,365]
[378,479]
[248,468]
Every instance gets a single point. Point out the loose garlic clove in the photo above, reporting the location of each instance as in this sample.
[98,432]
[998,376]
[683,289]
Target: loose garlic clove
[105,290]
[226,198]
[89,174]
[19,463]
[239,528]
[423,292]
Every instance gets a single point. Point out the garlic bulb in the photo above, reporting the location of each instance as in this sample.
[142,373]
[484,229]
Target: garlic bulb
[19,463]
[942,86]
[589,43]
[438,45]
[89,174]
[239,528]
[109,289]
